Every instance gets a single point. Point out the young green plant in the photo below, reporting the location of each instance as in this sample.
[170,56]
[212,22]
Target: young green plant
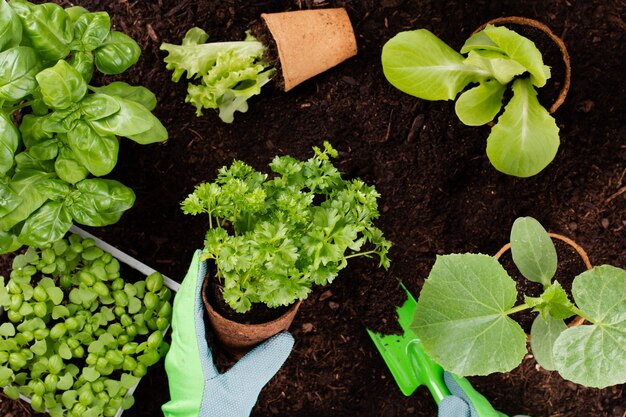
[58,134]
[78,335]
[462,316]
[272,238]
[227,73]
[525,138]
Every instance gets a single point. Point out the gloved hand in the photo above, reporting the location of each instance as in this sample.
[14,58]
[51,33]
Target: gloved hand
[465,401]
[197,389]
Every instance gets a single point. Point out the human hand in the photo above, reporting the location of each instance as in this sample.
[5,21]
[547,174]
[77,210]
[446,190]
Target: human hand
[197,389]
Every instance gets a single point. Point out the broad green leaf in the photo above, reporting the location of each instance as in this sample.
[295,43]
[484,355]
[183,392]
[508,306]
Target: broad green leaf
[533,252]
[137,94]
[98,106]
[481,104]
[117,53]
[10,27]
[543,334]
[24,185]
[61,85]
[32,130]
[90,31]
[74,12]
[9,200]
[18,68]
[53,189]
[157,133]
[503,68]
[461,316]
[595,355]
[83,62]
[68,168]
[47,28]
[9,141]
[96,152]
[49,223]
[526,137]
[522,50]
[45,150]
[419,63]
[24,161]
[131,119]
[100,202]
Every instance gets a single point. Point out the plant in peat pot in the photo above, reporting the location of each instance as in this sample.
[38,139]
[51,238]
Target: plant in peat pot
[57,132]
[78,335]
[462,315]
[308,42]
[271,239]
[525,138]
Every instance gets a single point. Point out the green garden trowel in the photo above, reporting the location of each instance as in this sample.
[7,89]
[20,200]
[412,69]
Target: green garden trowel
[411,366]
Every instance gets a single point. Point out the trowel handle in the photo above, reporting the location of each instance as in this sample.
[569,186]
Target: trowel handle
[427,371]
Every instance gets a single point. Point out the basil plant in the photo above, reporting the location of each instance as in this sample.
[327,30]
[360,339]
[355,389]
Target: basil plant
[58,134]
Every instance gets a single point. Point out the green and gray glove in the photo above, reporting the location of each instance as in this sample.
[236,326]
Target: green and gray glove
[197,389]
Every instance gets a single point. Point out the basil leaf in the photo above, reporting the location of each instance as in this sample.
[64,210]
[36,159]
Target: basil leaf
[24,185]
[418,63]
[98,106]
[138,94]
[90,31]
[9,141]
[53,189]
[117,53]
[61,85]
[18,67]
[48,224]
[9,200]
[8,242]
[32,130]
[68,168]
[45,150]
[47,27]
[131,119]
[83,62]
[98,153]
[10,27]
[101,202]
[24,161]
[157,133]
[526,137]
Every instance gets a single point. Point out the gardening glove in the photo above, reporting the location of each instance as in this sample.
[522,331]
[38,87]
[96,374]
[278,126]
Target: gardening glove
[465,401]
[197,389]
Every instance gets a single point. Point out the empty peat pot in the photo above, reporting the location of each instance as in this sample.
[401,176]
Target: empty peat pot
[309,42]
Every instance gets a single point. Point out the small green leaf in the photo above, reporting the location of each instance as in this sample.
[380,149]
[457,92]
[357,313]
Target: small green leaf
[553,301]
[64,351]
[65,382]
[61,85]
[59,311]
[543,334]
[526,137]
[128,381]
[419,63]
[91,29]
[503,68]
[39,348]
[461,316]
[113,387]
[12,392]
[481,104]
[117,53]
[51,222]
[595,355]
[90,374]
[7,330]
[55,294]
[68,397]
[533,252]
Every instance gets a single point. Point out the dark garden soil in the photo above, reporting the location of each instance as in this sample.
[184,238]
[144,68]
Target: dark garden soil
[439,192]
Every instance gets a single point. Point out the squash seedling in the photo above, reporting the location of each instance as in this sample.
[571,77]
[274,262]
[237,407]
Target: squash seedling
[57,132]
[525,138]
[462,316]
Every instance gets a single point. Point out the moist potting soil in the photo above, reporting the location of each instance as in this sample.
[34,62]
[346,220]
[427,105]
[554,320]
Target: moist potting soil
[439,194]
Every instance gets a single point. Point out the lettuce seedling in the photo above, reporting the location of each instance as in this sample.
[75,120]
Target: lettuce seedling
[272,239]
[226,74]
[525,138]
[462,316]
[58,134]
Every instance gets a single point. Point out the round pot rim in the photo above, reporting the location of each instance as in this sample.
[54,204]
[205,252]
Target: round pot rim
[557,40]
[581,252]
